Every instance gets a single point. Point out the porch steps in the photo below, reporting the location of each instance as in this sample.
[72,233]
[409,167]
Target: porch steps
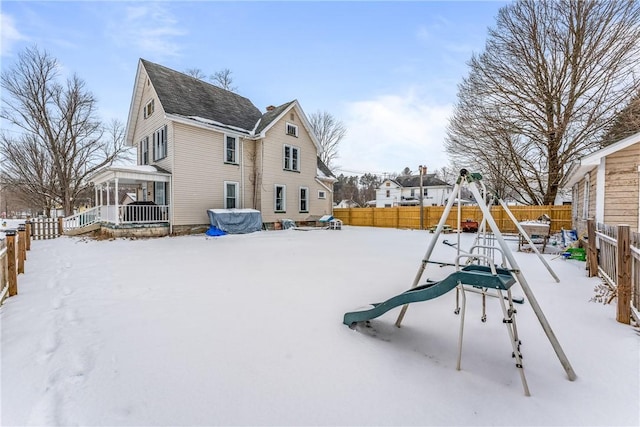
[82,230]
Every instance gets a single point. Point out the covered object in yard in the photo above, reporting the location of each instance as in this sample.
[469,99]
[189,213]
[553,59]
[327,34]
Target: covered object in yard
[235,221]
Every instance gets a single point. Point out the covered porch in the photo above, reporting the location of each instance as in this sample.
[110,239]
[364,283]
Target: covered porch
[148,212]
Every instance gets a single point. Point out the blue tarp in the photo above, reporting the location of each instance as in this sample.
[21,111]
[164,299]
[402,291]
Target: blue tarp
[235,221]
[214,231]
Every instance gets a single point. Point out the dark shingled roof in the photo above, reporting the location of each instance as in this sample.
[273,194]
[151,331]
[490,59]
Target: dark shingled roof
[428,180]
[187,96]
[324,169]
[270,116]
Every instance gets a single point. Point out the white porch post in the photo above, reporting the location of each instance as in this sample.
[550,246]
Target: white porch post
[101,195]
[95,199]
[116,203]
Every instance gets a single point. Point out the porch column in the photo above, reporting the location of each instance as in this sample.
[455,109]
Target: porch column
[101,196]
[95,199]
[116,203]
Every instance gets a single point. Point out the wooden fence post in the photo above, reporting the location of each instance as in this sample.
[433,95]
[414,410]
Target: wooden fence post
[624,275]
[28,232]
[592,250]
[59,227]
[11,262]
[22,253]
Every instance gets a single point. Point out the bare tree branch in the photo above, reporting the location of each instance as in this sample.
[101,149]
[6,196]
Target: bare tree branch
[330,133]
[224,80]
[196,73]
[548,85]
[62,140]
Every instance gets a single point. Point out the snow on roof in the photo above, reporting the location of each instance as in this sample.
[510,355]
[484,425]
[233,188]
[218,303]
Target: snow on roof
[215,123]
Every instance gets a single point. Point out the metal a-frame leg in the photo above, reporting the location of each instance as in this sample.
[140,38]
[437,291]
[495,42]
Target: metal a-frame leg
[432,244]
[460,289]
[528,239]
[523,282]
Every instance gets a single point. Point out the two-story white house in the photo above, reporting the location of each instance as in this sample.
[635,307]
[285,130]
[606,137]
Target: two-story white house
[405,191]
[201,147]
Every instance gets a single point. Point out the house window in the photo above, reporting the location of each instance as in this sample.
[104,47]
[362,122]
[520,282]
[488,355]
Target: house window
[160,143]
[230,195]
[292,129]
[574,201]
[280,198]
[585,198]
[425,192]
[291,161]
[148,109]
[413,192]
[144,151]
[160,193]
[388,193]
[322,194]
[304,199]
[230,149]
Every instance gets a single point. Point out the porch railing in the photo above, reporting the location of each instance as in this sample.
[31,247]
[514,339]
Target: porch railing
[137,214]
[82,219]
[125,214]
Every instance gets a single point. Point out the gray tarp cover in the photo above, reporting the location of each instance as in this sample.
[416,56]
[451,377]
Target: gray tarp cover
[235,221]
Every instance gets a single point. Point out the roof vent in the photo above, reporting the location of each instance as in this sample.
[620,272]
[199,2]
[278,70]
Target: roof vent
[271,107]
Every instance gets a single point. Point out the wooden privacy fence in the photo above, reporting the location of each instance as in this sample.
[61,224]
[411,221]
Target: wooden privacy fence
[409,216]
[13,254]
[614,254]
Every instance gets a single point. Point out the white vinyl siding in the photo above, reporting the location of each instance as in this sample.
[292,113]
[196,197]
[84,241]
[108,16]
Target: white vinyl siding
[198,182]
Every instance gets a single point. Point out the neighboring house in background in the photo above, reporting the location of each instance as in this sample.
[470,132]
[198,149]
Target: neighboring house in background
[605,186]
[347,204]
[405,191]
[213,149]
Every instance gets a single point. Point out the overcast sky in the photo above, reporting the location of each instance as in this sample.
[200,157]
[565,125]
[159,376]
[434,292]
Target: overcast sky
[388,70]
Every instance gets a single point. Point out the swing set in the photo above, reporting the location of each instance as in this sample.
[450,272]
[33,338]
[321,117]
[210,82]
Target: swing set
[477,271]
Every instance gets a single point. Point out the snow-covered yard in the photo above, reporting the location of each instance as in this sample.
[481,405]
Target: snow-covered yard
[247,330]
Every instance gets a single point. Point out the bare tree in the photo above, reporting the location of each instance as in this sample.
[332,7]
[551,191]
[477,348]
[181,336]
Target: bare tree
[626,123]
[330,133]
[61,141]
[196,73]
[546,88]
[224,80]
[406,171]
[448,174]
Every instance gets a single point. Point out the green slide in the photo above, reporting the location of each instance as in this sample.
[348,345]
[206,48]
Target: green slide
[475,275]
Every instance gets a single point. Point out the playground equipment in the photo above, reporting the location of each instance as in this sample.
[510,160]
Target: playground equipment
[476,271]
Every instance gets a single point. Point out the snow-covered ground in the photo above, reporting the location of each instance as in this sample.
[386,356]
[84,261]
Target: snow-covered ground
[247,330]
